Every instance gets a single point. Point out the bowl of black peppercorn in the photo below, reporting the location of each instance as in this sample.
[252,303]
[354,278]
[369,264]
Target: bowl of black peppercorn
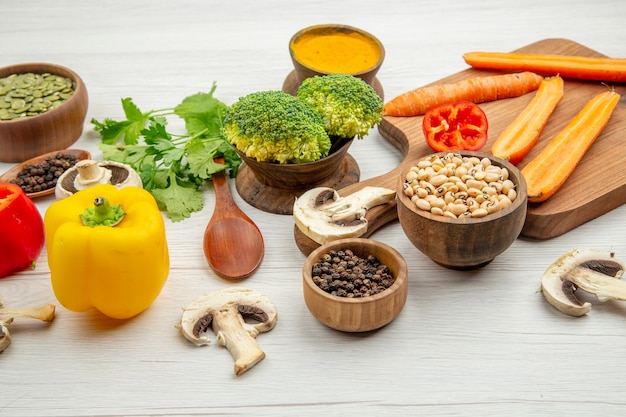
[38,176]
[355,284]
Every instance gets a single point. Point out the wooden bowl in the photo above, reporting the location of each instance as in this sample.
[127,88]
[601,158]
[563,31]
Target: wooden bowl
[274,188]
[305,68]
[58,128]
[12,173]
[296,176]
[357,314]
[464,243]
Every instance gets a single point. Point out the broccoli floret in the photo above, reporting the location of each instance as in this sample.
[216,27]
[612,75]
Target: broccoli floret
[273,126]
[350,107]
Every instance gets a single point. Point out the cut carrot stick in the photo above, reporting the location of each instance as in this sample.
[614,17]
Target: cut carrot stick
[585,68]
[522,134]
[549,170]
[476,90]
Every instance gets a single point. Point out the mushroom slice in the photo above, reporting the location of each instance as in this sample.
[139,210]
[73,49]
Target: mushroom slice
[7,314]
[605,287]
[589,269]
[237,316]
[321,214]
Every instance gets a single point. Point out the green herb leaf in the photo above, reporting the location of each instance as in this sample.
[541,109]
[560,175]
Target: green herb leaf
[202,111]
[128,130]
[133,155]
[200,158]
[172,167]
[179,201]
[156,130]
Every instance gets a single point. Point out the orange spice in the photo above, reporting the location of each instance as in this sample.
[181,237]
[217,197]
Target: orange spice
[348,53]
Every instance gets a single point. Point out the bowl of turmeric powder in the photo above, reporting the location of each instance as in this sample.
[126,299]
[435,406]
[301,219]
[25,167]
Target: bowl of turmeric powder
[334,48]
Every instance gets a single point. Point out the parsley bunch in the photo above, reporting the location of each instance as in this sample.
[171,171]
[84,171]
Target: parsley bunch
[172,167]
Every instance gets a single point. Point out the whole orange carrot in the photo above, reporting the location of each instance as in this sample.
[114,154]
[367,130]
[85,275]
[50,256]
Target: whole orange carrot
[585,68]
[476,90]
[518,138]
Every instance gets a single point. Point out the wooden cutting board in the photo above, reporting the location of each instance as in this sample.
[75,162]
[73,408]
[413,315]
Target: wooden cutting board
[597,186]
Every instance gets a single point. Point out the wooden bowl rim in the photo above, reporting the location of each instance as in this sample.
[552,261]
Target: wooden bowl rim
[40,67]
[520,200]
[12,172]
[400,278]
[336,27]
[326,159]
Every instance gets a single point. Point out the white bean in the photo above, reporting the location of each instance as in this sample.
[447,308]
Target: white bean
[455,186]
[493,207]
[408,190]
[492,176]
[481,212]
[423,204]
[423,163]
[412,175]
[437,210]
[460,171]
[457,209]
[507,185]
[475,184]
[437,180]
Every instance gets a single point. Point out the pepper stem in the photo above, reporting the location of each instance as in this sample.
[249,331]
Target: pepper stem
[102,213]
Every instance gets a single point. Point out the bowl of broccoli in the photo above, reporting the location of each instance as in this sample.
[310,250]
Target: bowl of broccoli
[294,142]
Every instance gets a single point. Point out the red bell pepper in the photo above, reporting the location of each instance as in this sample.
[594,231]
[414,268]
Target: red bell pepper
[21,230]
[455,126]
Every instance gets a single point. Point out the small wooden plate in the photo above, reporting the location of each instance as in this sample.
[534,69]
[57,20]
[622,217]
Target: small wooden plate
[11,174]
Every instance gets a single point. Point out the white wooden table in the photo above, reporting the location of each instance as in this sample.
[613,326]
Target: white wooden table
[481,343]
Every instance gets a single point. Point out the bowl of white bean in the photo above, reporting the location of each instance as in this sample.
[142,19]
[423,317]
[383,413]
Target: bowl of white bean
[462,208]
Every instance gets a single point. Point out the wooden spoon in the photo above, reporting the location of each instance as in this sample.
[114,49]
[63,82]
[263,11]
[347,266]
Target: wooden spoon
[233,244]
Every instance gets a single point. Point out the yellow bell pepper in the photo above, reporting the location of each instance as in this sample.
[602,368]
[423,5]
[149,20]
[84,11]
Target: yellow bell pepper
[107,249]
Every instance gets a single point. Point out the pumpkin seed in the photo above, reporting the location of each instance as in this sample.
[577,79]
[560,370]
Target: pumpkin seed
[18,104]
[29,94]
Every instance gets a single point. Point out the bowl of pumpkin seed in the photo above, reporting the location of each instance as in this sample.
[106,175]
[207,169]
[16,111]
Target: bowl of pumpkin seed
[42,109]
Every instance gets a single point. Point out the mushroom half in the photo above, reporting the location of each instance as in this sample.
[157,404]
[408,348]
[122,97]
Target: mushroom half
[591,270]
[88,172]
[237,316]
[8,314]
[322,215]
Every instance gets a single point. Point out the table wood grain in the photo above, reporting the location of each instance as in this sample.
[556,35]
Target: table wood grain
[467,343]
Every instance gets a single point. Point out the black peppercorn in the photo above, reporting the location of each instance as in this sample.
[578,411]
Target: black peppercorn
[344,274]
[43,176]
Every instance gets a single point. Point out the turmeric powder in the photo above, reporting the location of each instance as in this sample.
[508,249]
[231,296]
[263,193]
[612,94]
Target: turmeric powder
[347,53]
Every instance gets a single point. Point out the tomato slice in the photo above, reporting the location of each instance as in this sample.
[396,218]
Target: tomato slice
[455,126]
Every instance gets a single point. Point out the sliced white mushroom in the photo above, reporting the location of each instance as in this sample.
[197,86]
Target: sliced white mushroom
[7,314]
[322,215]
[237,316]
[602,286]
[87,173]
[592,270]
